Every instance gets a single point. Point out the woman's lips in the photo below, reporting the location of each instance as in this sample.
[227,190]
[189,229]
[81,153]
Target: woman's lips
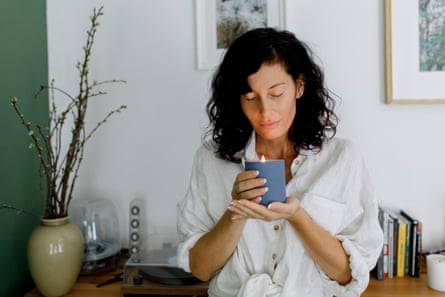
[269,124]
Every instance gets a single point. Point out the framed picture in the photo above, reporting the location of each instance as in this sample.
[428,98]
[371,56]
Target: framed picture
[219,22]
[415,51]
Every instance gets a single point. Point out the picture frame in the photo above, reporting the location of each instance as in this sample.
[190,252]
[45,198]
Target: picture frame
[412,76]
[209,54]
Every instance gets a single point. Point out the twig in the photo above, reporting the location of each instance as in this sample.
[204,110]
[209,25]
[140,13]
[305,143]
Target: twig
[19,210]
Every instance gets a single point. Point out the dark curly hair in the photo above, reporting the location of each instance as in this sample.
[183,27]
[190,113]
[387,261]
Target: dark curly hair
[229,128]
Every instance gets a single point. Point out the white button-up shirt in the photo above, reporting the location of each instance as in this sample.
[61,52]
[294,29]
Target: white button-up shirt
[334,188]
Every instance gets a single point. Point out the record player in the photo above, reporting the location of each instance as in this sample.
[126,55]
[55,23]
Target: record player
[154,270]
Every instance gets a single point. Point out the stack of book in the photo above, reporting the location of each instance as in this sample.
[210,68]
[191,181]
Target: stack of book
[402,246]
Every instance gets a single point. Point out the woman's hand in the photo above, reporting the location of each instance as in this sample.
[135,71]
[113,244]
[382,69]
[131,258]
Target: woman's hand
[243,209]
[246,197]
[248,186]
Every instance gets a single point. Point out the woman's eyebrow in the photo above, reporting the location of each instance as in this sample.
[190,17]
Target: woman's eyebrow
[276,85]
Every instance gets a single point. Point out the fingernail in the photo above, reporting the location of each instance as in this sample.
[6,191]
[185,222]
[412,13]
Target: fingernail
[266,189]
[260,198]
[233,204]
[269,206]
[265,181]
[257,173]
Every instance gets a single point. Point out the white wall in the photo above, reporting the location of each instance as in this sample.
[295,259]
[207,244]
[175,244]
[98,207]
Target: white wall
[147,151]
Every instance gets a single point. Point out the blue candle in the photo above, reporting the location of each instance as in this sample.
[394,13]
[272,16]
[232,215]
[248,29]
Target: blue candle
[273,172]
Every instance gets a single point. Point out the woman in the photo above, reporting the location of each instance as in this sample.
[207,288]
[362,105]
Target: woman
[268,98]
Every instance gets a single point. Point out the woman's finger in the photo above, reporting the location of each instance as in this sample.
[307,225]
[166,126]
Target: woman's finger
[247,185]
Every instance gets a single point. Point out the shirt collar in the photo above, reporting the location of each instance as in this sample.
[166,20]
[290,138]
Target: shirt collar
[249,152]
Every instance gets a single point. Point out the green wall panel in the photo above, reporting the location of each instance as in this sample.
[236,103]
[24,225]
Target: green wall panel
[23,68]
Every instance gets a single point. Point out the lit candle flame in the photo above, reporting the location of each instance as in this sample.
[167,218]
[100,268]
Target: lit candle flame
[263,159]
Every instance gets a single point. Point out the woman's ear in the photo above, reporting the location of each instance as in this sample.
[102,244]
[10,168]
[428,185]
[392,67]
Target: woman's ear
[299,85]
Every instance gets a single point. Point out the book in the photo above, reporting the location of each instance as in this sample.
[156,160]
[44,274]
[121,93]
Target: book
[390,267]
[408,243]
[378,269]
[386,222]
[401,247]
[418,260]
[414,244]
[395,243]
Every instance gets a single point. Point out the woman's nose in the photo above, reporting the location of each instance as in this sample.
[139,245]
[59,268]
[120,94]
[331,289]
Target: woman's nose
[264,105]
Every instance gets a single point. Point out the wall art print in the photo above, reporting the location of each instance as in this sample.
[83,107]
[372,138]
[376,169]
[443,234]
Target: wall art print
[415,51]
[219,22]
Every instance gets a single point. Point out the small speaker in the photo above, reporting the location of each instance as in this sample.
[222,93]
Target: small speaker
[136,224]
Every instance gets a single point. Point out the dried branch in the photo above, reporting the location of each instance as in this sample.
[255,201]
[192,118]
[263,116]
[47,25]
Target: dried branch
[59,166]
[19,210]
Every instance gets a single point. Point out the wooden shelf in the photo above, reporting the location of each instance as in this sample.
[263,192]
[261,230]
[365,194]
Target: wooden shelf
[401,287]
[86,286]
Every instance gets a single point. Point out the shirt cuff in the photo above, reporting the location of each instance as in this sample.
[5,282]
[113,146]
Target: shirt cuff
[183,253]
[359,272]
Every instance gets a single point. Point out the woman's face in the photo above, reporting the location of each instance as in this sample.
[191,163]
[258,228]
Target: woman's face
[271,104]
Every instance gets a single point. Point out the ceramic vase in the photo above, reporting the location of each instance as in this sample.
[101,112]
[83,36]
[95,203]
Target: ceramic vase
[55,251]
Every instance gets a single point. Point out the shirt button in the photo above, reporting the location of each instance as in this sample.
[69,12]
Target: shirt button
[296,162]
[276,227]
[275,266]
[274,256]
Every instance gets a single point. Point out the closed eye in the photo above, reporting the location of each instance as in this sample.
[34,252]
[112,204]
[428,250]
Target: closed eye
[277,95]
[249,97]
[277,90]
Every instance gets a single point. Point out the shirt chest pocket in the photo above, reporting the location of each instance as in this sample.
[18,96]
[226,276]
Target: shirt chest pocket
[328,213]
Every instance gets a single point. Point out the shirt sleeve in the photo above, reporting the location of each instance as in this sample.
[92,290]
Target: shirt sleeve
[363,248]
[361,235]
[193,220]
[357,228]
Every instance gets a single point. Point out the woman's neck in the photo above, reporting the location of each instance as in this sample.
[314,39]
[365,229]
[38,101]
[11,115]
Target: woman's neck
[278,150]
[275,149]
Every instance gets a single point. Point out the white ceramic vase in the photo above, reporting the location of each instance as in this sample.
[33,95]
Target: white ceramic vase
[55,251]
